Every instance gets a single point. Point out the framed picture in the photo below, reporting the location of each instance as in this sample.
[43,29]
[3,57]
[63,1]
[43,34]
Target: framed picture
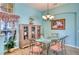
[58,24]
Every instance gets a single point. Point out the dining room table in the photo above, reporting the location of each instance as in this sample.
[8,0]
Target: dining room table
[45,41]
[49,40]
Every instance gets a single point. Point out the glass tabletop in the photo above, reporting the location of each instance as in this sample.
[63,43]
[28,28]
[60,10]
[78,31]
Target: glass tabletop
[43,40]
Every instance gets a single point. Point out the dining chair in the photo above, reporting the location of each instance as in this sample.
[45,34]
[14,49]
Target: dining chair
[37,48]
[58,46]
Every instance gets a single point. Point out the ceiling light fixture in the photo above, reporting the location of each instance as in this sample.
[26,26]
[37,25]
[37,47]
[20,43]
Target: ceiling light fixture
[48,16]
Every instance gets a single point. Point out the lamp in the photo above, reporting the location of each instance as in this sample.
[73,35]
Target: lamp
[48,16]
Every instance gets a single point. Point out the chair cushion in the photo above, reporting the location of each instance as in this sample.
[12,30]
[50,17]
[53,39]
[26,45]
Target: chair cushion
[57,47]
[38,44]
[37,49]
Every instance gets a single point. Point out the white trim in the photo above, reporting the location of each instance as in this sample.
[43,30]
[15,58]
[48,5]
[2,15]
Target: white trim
[72,46]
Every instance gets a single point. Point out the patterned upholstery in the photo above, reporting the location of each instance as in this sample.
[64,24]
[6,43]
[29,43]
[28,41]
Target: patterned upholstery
[37,48]
[38,44]
[56,46]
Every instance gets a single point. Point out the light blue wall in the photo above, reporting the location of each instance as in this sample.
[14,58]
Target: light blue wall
[2,44]
[25,11]
[71,14]
[77,25]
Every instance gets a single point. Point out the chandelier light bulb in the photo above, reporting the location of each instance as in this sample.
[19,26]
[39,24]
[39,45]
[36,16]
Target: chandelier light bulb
[52,17]
[48,16]
[44,17]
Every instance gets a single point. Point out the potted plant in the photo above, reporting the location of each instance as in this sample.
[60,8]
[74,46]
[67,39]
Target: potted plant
[11,43]
[31,19]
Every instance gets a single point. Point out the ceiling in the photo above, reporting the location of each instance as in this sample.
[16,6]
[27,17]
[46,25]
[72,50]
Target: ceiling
[43,6]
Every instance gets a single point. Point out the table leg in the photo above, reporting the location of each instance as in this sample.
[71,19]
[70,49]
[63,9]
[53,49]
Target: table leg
[48,45]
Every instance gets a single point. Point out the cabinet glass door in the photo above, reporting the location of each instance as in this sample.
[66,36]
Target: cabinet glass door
[38,32]
[33,32]
[25,32]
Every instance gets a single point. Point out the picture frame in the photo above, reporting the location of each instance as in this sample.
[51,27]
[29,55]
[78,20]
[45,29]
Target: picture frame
[58,24]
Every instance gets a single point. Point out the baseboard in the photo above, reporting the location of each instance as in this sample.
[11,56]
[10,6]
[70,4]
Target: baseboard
[72,46]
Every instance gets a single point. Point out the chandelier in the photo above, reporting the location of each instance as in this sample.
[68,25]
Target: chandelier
[48,16]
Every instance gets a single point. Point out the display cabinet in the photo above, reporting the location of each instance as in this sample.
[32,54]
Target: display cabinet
[28,32]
